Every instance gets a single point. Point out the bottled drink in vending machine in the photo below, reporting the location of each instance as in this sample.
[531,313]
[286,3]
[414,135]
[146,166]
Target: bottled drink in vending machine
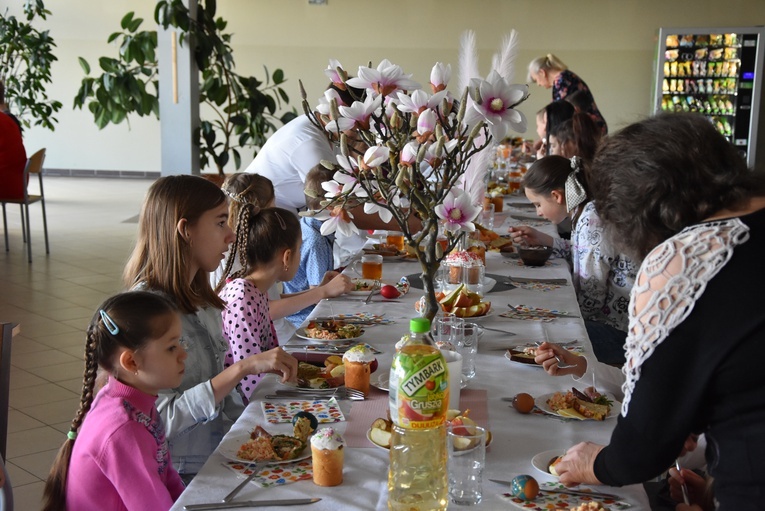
[419,398]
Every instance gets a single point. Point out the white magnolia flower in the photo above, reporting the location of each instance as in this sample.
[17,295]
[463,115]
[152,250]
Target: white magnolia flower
[458,211]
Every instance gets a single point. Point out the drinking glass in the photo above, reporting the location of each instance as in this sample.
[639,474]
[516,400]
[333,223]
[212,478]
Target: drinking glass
[396,238]
[467,346]
[371,266]
[466,448]
[487,216]
[454,367]
[447,329]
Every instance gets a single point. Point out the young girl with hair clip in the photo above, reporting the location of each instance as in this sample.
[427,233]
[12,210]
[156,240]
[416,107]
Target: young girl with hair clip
[255,189]
[116,455]
[602,277]
[268,246]
[183,235]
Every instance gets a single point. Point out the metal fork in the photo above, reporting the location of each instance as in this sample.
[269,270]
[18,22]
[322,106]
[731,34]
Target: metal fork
[561,363]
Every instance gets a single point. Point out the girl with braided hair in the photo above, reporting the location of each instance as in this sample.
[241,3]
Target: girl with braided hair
[116,455]
[268,246]
[183,235]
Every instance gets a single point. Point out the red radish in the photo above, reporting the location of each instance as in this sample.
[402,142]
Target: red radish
[388,291]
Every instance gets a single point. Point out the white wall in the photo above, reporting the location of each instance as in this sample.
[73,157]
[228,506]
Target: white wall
[609,43]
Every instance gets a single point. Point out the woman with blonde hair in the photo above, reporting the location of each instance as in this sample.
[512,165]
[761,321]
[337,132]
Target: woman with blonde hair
[551,73]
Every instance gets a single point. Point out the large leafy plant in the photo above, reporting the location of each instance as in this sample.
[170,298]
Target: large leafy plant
[242,109]
[26,55]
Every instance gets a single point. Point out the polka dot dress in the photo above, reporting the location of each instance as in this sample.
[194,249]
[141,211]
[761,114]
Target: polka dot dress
[247,326]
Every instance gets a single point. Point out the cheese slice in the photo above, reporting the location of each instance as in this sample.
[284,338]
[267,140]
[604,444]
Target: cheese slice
[571,414]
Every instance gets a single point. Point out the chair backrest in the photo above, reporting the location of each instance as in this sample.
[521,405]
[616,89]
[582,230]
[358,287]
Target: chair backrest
[35,162]
[7,331]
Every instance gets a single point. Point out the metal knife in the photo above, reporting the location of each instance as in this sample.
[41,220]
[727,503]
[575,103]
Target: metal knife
[526,280]
[250,503]
[530,218]
[568,492]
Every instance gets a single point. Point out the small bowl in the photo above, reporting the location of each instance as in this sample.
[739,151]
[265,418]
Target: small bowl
[534,256]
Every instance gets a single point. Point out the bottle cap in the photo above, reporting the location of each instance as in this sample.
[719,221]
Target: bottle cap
[419,325]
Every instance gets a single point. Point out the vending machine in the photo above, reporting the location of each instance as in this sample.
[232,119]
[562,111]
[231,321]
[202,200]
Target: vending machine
[716,72]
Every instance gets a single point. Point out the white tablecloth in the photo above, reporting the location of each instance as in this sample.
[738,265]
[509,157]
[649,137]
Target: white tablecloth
[516,437]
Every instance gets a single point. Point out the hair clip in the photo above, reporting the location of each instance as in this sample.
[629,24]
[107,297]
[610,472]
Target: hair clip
[281,221]
[111,326]
[575,163]
[72,435]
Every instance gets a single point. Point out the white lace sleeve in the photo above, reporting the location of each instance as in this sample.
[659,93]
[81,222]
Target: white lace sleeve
[672,277]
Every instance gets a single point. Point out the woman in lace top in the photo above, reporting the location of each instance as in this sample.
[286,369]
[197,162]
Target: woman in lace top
[602,276]
[672,189]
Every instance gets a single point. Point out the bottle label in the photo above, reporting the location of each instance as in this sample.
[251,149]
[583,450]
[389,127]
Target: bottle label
[419,390]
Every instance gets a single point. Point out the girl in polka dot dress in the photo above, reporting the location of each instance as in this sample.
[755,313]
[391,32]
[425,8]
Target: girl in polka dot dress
[268,248]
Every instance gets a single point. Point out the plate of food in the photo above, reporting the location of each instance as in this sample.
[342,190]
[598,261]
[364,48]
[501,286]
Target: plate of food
[312,377]
[545,461]
[574,404]
[381,382]
[331,330]
[257,447]
[388,252]
[379,438]
[362,287]
[522,356]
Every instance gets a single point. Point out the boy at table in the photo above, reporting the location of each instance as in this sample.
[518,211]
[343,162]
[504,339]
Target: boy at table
[316,260]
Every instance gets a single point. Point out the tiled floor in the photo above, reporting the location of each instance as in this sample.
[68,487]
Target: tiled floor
[53,299]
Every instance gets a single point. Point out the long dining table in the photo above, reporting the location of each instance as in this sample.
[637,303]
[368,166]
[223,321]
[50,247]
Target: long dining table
[516,437]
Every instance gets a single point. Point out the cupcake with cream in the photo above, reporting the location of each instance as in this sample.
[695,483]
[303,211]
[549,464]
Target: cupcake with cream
[328,455]
[357,362]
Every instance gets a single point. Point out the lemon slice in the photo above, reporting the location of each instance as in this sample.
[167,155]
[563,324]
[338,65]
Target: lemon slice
[571,413]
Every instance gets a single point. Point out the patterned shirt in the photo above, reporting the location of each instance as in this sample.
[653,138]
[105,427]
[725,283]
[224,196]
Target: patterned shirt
[247,325]
[567,83]
[315,260]
[602,277]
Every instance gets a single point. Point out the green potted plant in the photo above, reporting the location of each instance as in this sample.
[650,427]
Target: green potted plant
[243,109]
[26,55]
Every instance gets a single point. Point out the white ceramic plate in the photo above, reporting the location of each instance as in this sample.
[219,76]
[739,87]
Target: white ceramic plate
[229,448]
[302,334]
[541,403]
[368,284]
[369,437]
[542,460]
[381,382]
[526,364]
[488,284]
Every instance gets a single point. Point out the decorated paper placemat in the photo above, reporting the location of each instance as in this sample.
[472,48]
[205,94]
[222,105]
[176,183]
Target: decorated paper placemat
[275,475]
[325,410]
[537,286]
[525,312]
[550,501]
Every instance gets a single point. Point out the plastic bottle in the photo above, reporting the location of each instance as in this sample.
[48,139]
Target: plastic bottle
[419,398]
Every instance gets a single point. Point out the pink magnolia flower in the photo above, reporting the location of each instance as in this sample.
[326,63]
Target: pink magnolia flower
[414,103]
[409,153]
[426,124]
[332,189]
[385,79]
[326,99]
[433,159]
[337,220]
[497,102]
[374,157]
[440,76]
[360,111]
[457,211]
[333,75]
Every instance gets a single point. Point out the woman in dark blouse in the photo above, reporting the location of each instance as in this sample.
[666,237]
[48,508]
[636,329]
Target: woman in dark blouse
[550,72]
[672,189]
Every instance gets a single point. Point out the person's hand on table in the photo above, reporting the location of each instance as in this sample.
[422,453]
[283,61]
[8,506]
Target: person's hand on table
[576,467]
[545,357]
[525,235]
[275,361]
[697,486]
[335,284]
